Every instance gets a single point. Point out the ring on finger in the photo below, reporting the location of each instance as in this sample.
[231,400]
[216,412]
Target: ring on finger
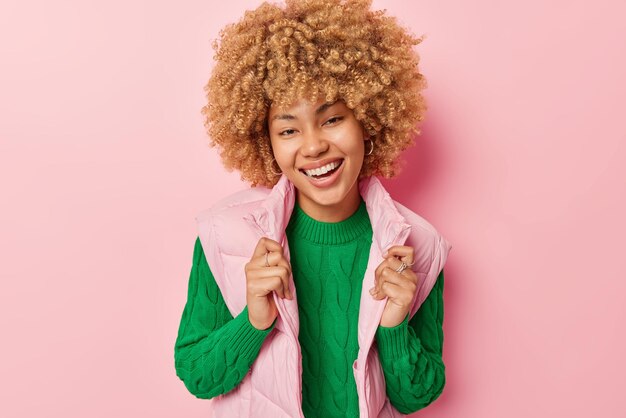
[402,267]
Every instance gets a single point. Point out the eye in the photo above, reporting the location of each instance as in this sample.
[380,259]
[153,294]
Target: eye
[287,132]
[334,120]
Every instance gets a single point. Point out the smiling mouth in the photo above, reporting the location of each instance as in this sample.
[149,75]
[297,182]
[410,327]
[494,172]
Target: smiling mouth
[325,171]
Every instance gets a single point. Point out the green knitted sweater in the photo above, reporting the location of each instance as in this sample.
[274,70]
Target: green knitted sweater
[214,351]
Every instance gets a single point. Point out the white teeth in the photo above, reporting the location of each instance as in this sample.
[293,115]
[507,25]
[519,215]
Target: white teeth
[322,170]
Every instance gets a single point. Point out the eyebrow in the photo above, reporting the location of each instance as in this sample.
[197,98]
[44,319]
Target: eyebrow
[287,116]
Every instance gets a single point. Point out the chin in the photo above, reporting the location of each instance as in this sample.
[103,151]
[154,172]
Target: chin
[331,197]
[326,200]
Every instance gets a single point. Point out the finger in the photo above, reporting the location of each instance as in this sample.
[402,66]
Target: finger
[394,264]
[264,285]
[380,268]
[388,275]
[278,271]
[404,252]
[272,271]
[274,259]
[285,278]
[266,259]
[379,276]
[378,279]
[397,294]
[400,280]
[276,284]
[265,245]
[377,291]
[399,290]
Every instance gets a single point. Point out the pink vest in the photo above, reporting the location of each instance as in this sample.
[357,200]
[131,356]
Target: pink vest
[229,232]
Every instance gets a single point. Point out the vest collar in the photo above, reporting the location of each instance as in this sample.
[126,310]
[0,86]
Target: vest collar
[272,215]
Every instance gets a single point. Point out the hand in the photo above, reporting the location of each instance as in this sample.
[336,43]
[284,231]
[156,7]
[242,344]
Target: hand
[267,271]
[400,288]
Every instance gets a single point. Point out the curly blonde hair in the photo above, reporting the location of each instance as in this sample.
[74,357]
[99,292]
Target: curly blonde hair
[338,50]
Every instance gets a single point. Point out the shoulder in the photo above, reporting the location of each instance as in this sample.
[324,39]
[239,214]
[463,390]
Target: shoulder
[222,228]
[236,204]
[431,251]
[416,221]
[431,247]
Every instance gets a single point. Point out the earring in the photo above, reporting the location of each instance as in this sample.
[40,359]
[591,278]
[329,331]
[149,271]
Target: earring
[372,147]
[272,166]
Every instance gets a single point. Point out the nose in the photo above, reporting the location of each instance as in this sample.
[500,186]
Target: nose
[314,144]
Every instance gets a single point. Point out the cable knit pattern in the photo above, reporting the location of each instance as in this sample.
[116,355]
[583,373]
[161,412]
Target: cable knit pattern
[213,350]
[411,355]
[329,262]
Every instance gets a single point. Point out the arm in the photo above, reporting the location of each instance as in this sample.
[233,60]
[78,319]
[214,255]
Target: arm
[213,350]
[411,355]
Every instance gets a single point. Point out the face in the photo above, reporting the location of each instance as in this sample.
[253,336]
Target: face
[320,148]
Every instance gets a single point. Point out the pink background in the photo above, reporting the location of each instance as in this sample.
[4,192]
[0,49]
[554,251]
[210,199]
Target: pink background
[105,164]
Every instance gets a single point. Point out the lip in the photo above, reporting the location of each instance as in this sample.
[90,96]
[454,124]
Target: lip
[320,163]
[326,181]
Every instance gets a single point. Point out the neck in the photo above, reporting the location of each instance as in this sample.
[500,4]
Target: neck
[331,213]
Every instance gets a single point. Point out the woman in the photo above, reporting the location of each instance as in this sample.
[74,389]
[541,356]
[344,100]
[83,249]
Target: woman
[315,294]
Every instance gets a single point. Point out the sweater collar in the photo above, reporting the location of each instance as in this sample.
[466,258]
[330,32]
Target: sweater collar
[333,233]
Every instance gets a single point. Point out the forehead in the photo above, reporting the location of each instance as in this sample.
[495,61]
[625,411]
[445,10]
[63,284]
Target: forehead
[300,106]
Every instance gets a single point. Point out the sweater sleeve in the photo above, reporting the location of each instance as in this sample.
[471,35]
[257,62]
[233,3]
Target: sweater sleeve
[213,351]
[411,355]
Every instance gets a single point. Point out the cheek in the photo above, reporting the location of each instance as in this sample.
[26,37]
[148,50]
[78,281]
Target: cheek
[357,154]
[283,153]
[354,148]
[351,141]
[348,141]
